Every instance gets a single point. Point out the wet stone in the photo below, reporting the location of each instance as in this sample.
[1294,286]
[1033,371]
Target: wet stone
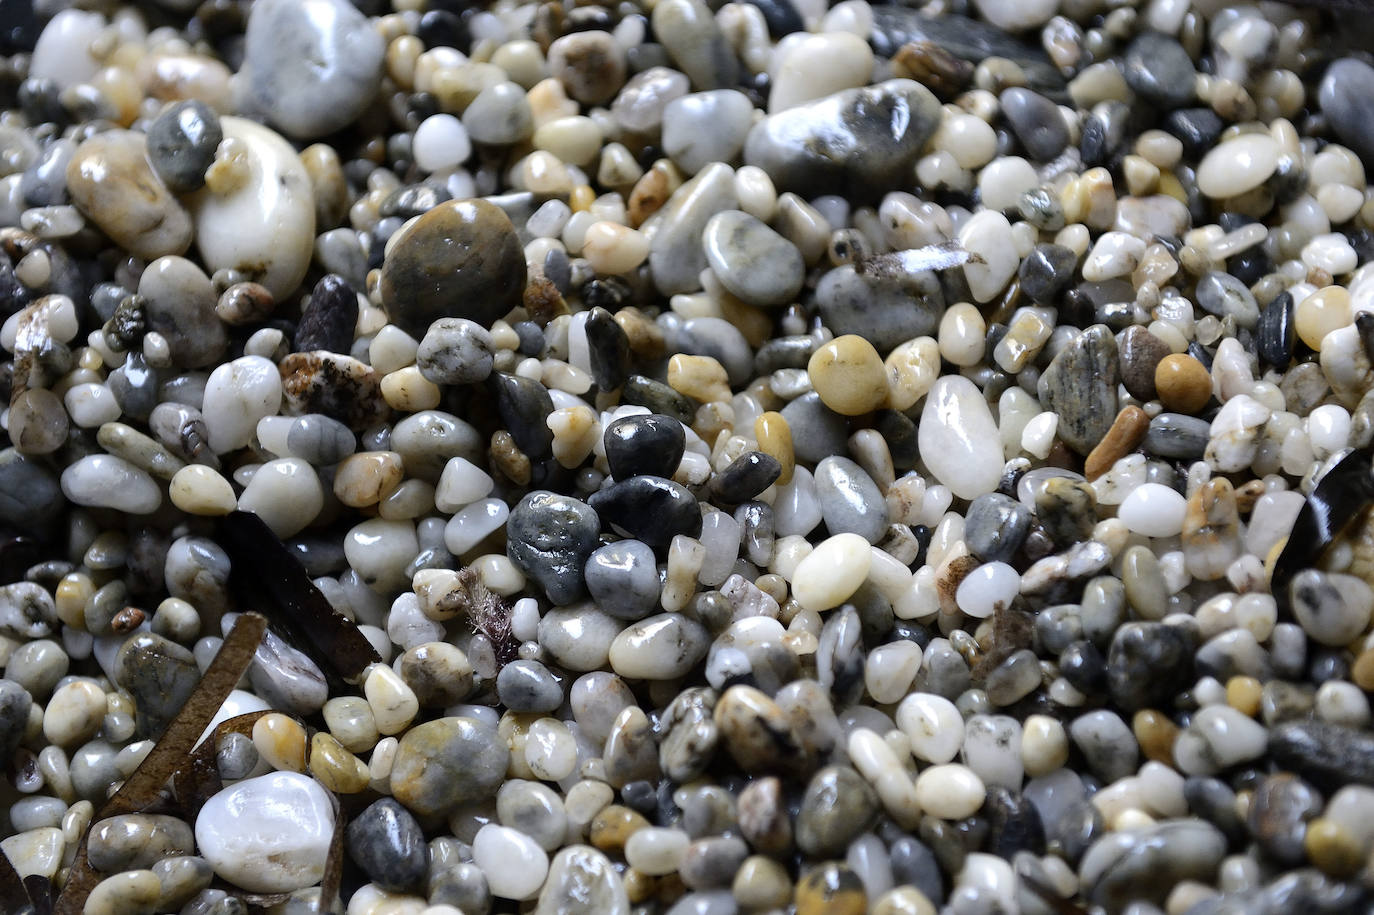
[1328,754]
[462,255]
[181,144]
[817,431]
[1148,664]
[328,321]
[1158,68]
[1345,100]
[448,762]
[160,675]
[745,477]
[1141,353]
[622,578]
[1036,121]
[1046,272]
[112,183]
[858,142]
[340,387]
[650,444]
[137,841]
[849,499]
[386,842]
[550,538]
[608,350]
[751,260]
[1177,436]
[649,508]
[837,806]
[524,405]
[1080,385]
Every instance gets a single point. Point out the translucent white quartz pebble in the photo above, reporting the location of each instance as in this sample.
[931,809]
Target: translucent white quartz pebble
[958,438]
[656,850]
[991,585]
[1154,510]
[988,234]
[474,523]
[933,725]
[106,481]
[441,143]
[63,52]
[1238,165]
[269,834]
[461,483]
[237,395]
[514,864]
[1115,254]
[832,572]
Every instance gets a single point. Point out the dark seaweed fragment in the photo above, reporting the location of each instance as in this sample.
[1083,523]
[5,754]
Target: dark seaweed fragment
[264,575]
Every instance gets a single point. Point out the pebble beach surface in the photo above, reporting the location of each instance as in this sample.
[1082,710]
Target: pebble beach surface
[786,458]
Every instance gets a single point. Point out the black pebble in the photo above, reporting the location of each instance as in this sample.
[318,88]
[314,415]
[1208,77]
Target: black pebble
[1148,665]
[657,396]
[182,142]
[608,349]
[649,444]
[387,843]
[531,339]
[549,537]
[443,29]
[650,509]
[19,27]
[524,405]
[746,476]
[328,322]
[1275,335]
[1197,128]
[1159,70]
[781,17]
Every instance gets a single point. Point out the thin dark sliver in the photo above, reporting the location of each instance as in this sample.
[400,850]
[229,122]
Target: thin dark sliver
[14,895]
[143,788]
[265,576]
[198,780]
[1339,500]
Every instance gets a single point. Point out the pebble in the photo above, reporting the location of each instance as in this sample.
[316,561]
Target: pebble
[445,763]
[256,214]
[705,127]
[181,144]
[269,834]
[514,866]
[853,142]
[1080,385]
[582,881]
[1158,68]
[660,647]
[883,309]
[460,251]
[312,67]
[111,181]
[1343,101]
[1237,166]
[958,438]
[387,843]
[751,260]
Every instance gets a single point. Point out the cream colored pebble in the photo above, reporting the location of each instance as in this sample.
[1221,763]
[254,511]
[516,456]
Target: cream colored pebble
[393,703]
[613,249]
[200,490]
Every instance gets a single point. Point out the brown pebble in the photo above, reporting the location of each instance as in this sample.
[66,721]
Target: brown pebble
[1141,353]
[244,303]
[340,387]
[1126,433]
[127,620]
[1243,695]
[109,179]
[646,337]
[1362,672]
[612,827]
[652,190]
[1156,735]
[1183,383]
[948,578]
[507,457]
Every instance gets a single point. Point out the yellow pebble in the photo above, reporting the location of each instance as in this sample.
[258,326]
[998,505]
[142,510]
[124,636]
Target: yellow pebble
[200,490]
[849,376]
[774,436]
[1332,848]
[1320,313]
[699,377]
[1243,695]
[831,889]
[581,198]
[336,768]
[72,593]
[1183,383]
[280,740]
[911,371]
[367,477]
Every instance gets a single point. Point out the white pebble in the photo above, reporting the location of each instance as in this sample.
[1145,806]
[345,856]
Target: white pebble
[832,572]
[441,143]
[269,834]
[986,588]
[1154,510]
[514,864]
[933,725]
[950,791]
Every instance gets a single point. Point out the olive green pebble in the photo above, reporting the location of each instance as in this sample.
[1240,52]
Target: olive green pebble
[830,889]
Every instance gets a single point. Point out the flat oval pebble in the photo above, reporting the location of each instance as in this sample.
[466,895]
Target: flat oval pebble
[751,260]
[958,438]
[1237,166]
[111,182]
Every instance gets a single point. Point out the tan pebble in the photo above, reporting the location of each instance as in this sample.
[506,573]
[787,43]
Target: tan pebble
[1320,313]
[367,477]
[639,886]
[335,768]
[575,432]
[173,77]
[244,303]
[699,377]
[70,598]
[393,703]
[280,740]
[506,457]
[129,893]
[1183,383]
[612,827]
[774,436]
[911,371]
[1126,432]
[613,249]
[1332,848]
[762,883]
[1243,695]
[646,337]
[1362,671]
[849,376]
[652,191]
[74,714]
[328,183]
[1156,735]
[581,198]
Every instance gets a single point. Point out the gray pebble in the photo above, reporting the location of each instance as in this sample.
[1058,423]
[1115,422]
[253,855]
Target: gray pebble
[181,144]
[850,501]
[550,538]
[751,260]
[455,351]
[499,115]
[622,578]
[884,309]
[706,127]
[528,686]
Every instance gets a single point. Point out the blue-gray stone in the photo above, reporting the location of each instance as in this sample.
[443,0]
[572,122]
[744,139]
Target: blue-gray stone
[622,578]
[850,501]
